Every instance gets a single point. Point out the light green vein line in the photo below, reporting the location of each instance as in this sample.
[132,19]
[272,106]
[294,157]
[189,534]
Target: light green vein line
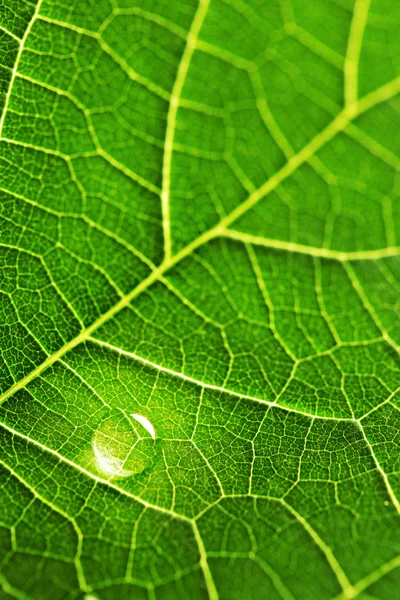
[128,172]
[277,582]
[16,64]
[351,63]
[225,55]
[325,549]
[373,147]
[370,579]
[10,34]
[269,305]
[208,578]
[309,250]
[11,590]
[385,478]
[315,45]
[171,120]
[382,94]
[267,115]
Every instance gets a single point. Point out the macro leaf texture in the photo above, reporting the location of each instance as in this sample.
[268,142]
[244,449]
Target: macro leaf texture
[200,290]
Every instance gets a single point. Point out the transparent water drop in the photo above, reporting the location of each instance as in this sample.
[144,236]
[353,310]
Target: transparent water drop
[119,449]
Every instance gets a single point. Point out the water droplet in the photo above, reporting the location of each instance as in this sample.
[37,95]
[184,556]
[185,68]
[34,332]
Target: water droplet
[119,449]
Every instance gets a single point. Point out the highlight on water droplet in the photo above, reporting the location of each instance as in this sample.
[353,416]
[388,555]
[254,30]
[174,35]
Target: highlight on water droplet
[146,424]
[118,448]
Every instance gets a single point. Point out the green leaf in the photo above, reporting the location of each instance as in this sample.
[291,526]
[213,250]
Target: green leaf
[200,283]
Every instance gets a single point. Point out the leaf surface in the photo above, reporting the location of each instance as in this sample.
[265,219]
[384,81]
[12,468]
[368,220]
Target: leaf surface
[200,277]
